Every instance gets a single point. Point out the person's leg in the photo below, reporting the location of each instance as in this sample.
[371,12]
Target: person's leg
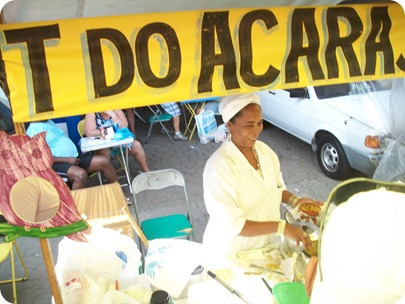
[139,155]
[76,175]
[99,163]
[176,124]
[177,133]
[105,153]
[131,119]
[173,109]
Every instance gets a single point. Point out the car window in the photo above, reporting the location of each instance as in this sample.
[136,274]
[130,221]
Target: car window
[364,87]
[331,91]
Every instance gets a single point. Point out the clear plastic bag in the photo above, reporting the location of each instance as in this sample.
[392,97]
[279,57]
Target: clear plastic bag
[391,167]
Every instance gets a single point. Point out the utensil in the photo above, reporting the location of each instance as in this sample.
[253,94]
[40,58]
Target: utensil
[220,281]
[267,285]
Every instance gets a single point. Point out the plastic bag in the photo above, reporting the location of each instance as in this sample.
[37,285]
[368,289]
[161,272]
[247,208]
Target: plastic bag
[391,167]
[117,297]
[206,126]
[123,133]
[221,133]
[170,263]
[86,271]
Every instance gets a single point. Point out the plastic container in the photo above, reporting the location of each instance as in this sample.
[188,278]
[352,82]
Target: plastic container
[160,297]
[290,293]
[196,277]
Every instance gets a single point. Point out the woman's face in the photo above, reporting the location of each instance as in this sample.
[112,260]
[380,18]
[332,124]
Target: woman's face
[246,126]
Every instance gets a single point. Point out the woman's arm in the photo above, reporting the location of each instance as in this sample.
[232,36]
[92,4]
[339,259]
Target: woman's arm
[118,116]
[254,228]
[295,200]
[90,126]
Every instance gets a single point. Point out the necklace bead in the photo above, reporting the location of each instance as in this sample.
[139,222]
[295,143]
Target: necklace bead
[257,158]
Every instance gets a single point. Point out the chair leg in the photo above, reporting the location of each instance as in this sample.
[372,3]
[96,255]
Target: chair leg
[17,249]
[99,178]
[167,132]
[13,279]
[13,275]
[149,132]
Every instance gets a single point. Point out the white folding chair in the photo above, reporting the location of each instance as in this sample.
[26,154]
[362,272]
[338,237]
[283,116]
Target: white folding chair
[163,204]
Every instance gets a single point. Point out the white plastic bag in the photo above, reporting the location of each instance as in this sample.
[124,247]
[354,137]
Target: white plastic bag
[169,264]
[221,133]
[86,271]
[206,126]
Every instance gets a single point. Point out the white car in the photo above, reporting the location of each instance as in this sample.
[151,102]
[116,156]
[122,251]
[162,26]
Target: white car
[344,123]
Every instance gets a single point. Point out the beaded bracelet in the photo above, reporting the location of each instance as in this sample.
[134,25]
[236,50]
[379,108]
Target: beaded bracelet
[281,228]
[292,201]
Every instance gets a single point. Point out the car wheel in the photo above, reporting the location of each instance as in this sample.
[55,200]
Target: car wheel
[331,158]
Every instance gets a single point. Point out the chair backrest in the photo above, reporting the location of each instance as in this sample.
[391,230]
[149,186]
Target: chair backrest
[106,205]
[160,180]
[80,127]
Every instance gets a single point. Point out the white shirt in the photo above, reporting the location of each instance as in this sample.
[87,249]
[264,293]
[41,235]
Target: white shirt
[235,192]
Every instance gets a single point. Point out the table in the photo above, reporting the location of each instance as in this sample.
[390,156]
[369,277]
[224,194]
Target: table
[88,144]
[191,106]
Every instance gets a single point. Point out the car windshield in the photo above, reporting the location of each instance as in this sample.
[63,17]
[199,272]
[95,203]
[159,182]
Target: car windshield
[364,87]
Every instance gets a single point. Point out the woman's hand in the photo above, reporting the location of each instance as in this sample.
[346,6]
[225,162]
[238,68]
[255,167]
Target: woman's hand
[298,235]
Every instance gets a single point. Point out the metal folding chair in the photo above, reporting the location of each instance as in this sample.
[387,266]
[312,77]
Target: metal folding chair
[158,117]
[163,218]
[7,249]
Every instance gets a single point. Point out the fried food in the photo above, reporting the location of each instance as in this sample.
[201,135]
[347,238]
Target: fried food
[310,209]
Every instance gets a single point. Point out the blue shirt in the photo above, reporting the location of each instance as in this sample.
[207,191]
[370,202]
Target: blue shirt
[58,142]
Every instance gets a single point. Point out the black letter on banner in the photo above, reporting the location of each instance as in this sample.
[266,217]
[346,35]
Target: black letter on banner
[345,43]
[380,27]
[401,62]
[142,55]
[94,38]
[217,22]
[303,18]
[245,46]
[34,38]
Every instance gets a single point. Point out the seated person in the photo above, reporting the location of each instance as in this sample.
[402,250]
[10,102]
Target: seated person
[362,252]
[66,159]
[94,121]
[173,109]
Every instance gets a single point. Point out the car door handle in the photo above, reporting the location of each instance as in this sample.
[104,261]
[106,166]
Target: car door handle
[272,92]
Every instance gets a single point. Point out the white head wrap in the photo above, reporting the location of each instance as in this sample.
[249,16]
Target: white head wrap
[362,252]
[231,105]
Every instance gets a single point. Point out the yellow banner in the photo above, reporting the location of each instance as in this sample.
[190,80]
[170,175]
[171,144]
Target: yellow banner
[70,67]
